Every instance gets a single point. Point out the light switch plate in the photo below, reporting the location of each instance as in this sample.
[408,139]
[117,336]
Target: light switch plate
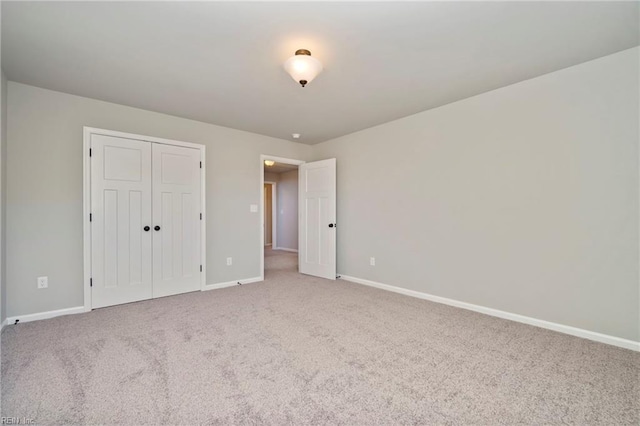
[253,208]
[43,282]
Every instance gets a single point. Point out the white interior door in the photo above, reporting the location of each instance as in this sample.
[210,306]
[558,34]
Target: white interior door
[317,226]
[120,211]
[176,220]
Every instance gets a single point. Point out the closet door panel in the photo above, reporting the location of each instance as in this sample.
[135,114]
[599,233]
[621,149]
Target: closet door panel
[120,208]
[176,218]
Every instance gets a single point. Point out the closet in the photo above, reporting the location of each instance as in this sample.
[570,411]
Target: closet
[145,219]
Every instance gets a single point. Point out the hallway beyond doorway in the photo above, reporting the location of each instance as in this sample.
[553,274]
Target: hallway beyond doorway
[279,260]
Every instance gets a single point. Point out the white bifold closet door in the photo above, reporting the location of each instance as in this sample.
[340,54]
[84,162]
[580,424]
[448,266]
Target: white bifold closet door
[145,224]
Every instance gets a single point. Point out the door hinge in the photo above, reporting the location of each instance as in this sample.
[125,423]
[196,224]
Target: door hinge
[90,217]
[200,268]
[200,216]
[90,282]
[89,152]
[201,164]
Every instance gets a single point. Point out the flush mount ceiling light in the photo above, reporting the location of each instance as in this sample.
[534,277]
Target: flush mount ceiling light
[269,163]
[302,67]
[295,135]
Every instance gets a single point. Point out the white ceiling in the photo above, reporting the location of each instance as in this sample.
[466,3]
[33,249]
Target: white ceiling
[222,62]
[280,168]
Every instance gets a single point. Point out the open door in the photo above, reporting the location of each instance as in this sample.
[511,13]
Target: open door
[317,225]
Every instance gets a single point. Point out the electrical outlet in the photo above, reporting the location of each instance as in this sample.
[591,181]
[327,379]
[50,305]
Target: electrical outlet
[43,282]
[372,261]
[229,261]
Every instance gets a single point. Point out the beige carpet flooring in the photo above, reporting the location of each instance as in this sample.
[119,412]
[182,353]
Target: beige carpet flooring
[300,350]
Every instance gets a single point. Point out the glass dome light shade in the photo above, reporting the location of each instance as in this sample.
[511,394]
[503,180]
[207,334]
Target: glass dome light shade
[302,67]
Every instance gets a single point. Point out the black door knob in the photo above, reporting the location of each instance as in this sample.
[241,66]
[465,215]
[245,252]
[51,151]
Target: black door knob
[157,228]
[146,228]
[331,225]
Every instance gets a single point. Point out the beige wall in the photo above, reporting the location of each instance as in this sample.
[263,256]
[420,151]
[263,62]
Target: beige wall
[44,195]
[523,199]
[288,210]
[271,177]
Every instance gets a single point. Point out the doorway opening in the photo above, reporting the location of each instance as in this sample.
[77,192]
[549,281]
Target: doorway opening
[279,213]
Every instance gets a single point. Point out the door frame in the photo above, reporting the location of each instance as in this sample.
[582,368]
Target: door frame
[274,210]
[261,209]
[86,201]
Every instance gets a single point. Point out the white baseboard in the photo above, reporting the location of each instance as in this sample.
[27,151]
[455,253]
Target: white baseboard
[81,309]
[45,315]
[286,249]
[231,283]
[578,332]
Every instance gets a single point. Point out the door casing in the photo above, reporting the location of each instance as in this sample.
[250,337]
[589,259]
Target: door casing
[87,132]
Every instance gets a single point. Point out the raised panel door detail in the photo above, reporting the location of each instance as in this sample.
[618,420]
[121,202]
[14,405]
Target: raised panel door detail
[110,235]
[188,231]
[135,237]
[177,169]
[316,180]
[312,252]
[166,236]
[325,245]
[122,163]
